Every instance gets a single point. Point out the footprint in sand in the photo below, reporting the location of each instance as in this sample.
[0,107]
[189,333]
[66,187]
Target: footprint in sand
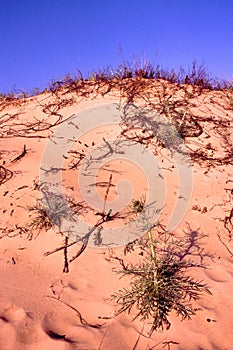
[26,330]
[56,324]
[12,314]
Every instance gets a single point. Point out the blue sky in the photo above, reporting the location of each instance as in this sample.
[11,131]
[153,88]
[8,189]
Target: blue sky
[47,39]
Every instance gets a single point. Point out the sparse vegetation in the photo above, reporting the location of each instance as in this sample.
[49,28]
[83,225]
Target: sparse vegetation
[52,209]
[167,93]
[160,282]
[196,76]
[42,219]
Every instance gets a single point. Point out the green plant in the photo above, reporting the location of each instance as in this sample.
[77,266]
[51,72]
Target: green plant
[160,283]
[52,210]
[42,219]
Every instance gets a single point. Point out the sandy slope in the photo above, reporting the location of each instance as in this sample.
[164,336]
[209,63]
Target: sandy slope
[41,307]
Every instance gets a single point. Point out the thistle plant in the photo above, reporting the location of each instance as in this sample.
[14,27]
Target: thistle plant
[159,283]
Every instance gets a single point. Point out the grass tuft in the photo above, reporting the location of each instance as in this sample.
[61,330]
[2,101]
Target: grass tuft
[42,219]
[197,76]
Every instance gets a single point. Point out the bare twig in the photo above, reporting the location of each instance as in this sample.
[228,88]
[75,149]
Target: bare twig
[229,251]
[66,263]
[107,191]
[5,174]
[81,250]
[82,320]
[21,155]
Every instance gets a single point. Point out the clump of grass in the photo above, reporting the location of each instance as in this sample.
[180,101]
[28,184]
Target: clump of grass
[42,219]
[160,283]
[50,211]
[196,76]
[138,205]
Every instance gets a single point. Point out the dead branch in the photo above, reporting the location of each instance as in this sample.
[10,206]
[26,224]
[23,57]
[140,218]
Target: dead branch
[107,191]
[21,155]
[66,263]
[82,320]
[229,251]
[5,174]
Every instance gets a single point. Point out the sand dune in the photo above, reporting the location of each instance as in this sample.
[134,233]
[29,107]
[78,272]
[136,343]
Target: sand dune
[48,301]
